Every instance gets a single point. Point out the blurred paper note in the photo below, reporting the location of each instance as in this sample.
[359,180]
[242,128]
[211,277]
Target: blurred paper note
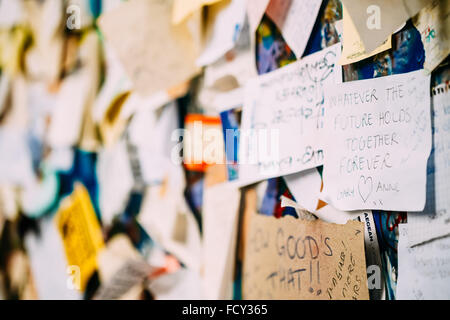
[115,180]
[353,49]
[165,214]
[16,165]
[184,8]
[151,137]
[295,19]
[54,280]
[81,233]
[180,285]
[283,117]
[255,12]
[155,54]
[66,122]
[220,225]
[294,259]
[434,221]
[423,271]
[122,270]
[433,23]
[225,21]
[378,142]
[11,13]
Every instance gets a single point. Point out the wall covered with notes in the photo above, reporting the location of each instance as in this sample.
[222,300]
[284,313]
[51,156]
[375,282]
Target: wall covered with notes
[224,149]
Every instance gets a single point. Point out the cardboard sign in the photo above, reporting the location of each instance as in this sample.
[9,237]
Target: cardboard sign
[289,258]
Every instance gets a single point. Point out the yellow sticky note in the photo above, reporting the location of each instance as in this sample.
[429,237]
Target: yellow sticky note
[80,232]
[353,49]
[184,8]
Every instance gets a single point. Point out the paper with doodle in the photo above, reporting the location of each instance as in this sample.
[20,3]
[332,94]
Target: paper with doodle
[283,117]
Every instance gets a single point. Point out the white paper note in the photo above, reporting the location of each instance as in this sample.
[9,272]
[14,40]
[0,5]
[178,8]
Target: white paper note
[115,180]
[305,187]
[433,23]
[255,12]
[67,116]
[283,117]
[227,21]
[378,142]
[434,221]
[220,225]
[164,210]
[181,285]
[152,138]
[53,278]
[15,160]
[295,19]
[423,271]
[11,13]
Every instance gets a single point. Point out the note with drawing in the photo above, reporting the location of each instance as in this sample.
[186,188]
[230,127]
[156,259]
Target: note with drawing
[283,117]
[378,142]
[289,258]
[433,23]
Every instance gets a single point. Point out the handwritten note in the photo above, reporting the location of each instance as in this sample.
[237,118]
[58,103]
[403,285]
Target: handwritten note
[434,221]
[293,259]
[283,117]
[378,142]
[286,15]
[423,271]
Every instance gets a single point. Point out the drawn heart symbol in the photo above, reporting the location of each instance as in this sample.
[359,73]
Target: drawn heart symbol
[365,187]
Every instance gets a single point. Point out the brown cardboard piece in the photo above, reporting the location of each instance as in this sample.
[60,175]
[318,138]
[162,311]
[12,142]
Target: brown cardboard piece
[376,20]
[289,258]
[156,56]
